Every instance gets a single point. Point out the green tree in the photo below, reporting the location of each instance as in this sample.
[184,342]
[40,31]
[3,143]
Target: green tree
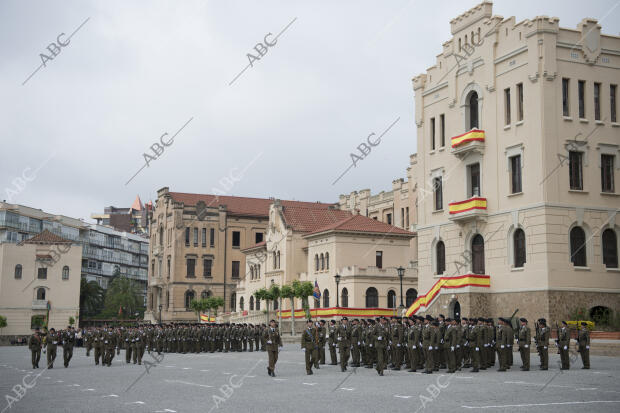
[303,290]
[123,295]
[71,320]
[288,292]
[216,302]
[199,306]
[275,295]
[2,322]
[91,298]
[262,294]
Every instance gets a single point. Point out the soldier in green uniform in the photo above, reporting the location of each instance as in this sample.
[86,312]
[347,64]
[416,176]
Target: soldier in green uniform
[110,342]
[332,342]
[436,340]
[542,342]
[413,341]
[525,338]
[34,344]
[396,345]
[381,338]
[88,340]
[370,340]
[510,336]
[427,344]
[450,343]
[356,343]
[126,338]
[343,337]
[563,344]
[476,344]
[272,339]
[68,341]
[309,345]
[501,344]
[322,341]
[583,342]
[51,339]
[441,359]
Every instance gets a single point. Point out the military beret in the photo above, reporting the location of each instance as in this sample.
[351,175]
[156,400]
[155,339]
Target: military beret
[371,321]
[565,323]
[442,316]
[332,321]
[458,320]
[465,319]
[378,318]
[399,318]
[523,320]
[322,321]
[344,318]
[309,320]
[272,321]
[429,317]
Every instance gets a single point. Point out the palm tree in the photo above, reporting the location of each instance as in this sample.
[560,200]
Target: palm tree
[287,292]
[123,293]
[91,298]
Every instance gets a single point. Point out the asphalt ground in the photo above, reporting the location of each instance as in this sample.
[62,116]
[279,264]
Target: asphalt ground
[238,382]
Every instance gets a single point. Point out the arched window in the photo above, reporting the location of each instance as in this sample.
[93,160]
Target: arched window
[610,248]
[233,302]
[275,260]
[322,262]
[578,247]
[327,260]
[241,304]
[316,262]
[473,110]
[252,303]
[257,304]
[18,272]
[65,272]
[441,257]
[41,293]
[252,272]
[477,254]
[372,298]
[189,296]
[326,298]
[391,299]
[278,259]
[344,299]
[460,44]
[411,296]
[519,247]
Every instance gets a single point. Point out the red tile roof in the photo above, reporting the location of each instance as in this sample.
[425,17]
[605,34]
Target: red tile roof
[46,237]
[303,219]
[360,223]
[238,205]
[260,244]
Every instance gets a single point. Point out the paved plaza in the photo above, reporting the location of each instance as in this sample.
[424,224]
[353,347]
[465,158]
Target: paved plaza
[238,382]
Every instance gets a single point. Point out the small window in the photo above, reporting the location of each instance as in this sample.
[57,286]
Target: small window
[578,247]
[252,303]
[389,219]
[278,257]
[575,170]
[507,106]
[442,125]
[515,174]
[195,237]
[212,237]
[326,298]
[65,272]
[204,237]
[519,248]
[344,298]
[441,257]
[236,239]
[327,260]
[379,259]
[391,299]
[189,297]
[258,237]
[42,273]
[610,248]
[438,191]
[187,237]
[208,264]
[582,98]
[432,134]
[612,102]
[168,267]
[565,97]
[41,293]
[607,173]
[322,262]
[473,174]
[477,254]
[316,262]
[235,269]
[191,268]
[520,102]
[241,304]
[597,101]
[18,272]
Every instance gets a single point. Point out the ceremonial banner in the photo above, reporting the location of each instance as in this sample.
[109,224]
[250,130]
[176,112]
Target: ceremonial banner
[472,135]
[467,205]
[342,312]
[204,318]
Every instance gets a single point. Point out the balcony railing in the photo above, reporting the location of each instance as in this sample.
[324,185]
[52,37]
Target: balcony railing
[471,208]
[39,304]
[472,141]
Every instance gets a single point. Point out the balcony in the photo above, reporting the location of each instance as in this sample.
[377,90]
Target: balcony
[470,209]
[467,143]
[39,304]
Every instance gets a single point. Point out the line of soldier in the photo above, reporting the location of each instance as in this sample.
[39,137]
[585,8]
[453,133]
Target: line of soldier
[429,344]
[49,342]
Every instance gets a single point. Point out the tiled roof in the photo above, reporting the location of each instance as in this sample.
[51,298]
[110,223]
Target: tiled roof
[46,237]
[238,205]
[260,244]
[304,219]
[360,223]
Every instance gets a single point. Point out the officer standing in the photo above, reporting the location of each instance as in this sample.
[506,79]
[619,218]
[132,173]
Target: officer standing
[356,342]
[331,342]
[343,336]
[563,343]
[272,339]
[34,344]
[583,340]
[381,336]
[322,341]
[525,338]
[52,343]
[542,342]
[309,345]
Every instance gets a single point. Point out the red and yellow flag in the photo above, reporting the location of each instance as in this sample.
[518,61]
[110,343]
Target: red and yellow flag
[467,205]
[472,135]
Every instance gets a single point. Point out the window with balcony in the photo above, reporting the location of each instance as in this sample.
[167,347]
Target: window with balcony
[41,293]
[438,193]
[607,173]
[575,170]
[581,91]
[473,180]
[515,174]
[473,111]
[379,259]
[477,254]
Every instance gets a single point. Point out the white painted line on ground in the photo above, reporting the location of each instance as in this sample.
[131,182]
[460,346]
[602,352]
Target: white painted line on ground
[226,373]
[111,395]
[402,397]
[88,389]
[251,377]
[59,381]
[187,368]
[309,384]
[280,379]
[138,402]
[464,377]
[204,370]
[187,382]
[346,388]
[587,388]
[169,366]
[539,404]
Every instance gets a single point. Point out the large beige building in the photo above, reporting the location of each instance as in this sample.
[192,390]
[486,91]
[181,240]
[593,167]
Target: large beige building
[517,168]
[196,248]
[316,244]
[40,273]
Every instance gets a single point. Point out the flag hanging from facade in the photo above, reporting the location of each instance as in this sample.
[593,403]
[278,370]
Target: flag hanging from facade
[317,291]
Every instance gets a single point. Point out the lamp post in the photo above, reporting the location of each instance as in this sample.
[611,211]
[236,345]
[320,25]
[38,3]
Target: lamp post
[160,307]
[401,274]
[337,278]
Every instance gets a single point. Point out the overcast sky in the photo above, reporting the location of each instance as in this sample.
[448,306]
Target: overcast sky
[136,70]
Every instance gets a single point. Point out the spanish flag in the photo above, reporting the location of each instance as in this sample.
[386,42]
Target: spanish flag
[472,135]
[204,318]
[469,280]
[467,205]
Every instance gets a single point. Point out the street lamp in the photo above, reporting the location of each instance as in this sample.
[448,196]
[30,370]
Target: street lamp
[401,274]
[160,307]
[337,278]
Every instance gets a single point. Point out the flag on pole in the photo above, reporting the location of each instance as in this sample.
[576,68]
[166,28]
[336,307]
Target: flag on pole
[317,291]
[120,311]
